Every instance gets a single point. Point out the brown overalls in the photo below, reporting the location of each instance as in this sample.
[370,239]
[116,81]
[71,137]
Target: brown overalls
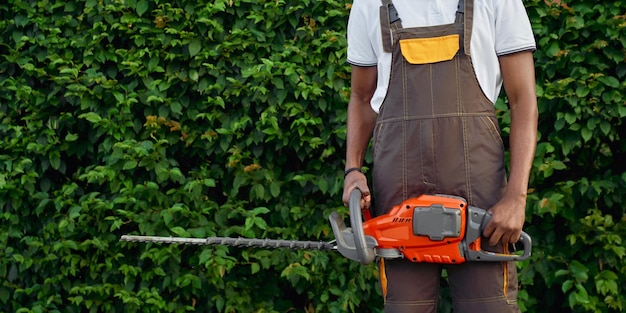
[437,133]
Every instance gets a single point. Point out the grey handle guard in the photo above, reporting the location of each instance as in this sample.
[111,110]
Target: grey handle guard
[352,242]
[477,220]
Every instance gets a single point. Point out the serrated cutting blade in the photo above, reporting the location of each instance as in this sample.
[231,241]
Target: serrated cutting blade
[235,242]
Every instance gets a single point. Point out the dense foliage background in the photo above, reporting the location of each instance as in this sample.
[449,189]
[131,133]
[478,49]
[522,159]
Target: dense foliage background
[227,118]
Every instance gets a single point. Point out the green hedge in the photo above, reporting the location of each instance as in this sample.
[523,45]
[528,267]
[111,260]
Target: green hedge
[579,177]
[227,118]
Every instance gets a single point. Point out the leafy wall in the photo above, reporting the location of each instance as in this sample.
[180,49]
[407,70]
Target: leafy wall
[227,118]
[577,213]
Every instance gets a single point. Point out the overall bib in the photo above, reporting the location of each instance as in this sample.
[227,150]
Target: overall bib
[437,133]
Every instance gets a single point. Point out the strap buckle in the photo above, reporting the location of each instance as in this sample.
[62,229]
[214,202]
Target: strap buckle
[461,7]
[393,13]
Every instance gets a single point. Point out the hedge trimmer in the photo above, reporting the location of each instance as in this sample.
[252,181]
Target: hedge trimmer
[428,228]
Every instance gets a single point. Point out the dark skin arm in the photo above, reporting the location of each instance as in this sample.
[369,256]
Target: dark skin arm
[509,213]
[361,122]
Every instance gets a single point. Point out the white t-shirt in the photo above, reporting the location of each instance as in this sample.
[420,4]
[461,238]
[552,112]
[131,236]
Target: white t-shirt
[500,27]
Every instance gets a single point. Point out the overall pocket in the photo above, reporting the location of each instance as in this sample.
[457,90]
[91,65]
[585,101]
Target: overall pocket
[429,50]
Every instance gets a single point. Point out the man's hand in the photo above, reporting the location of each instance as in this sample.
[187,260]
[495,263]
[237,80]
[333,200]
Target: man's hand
[507,220]
[356,180]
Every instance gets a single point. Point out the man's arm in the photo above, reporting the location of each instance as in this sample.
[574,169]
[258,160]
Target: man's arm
[361,122]
[518,74]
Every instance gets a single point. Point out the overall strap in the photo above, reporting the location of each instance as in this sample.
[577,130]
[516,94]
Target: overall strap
[460,12]
[465,14]
[389,20]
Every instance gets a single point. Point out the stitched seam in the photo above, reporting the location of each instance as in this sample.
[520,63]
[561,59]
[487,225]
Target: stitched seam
[404,131]
[492,129]
[459,100]
[511,301]
[427,117]
[376,140]
[433,132]
[468,170]
[468,181]
[413,303]
[421,144]
[483,300]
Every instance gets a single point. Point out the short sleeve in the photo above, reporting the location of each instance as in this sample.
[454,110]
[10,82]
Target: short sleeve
[513,32]
[360,50]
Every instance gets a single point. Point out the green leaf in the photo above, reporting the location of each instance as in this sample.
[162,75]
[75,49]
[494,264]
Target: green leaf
[579,271]
[609,81]
[55,161]
[167,217]
[586,133]
[260,223]
[259,191]
[605,127]
[582,91]
[553,49]
[205,256]
[5,293]
[71,137]
[176,107]
[255,268]
[142,7]
[130,164]
[259,211]
[582,296]
[195,46]
[577,22]
[179,231]
[116,225]
[571,300]
[275,189]
[323,185]
[159,271]
[561,272]
[558,125]
[567,285]
[74,212]
[193,75]
[91,117]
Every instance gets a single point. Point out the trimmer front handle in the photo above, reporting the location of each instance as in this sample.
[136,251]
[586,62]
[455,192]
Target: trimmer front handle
[352,242]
